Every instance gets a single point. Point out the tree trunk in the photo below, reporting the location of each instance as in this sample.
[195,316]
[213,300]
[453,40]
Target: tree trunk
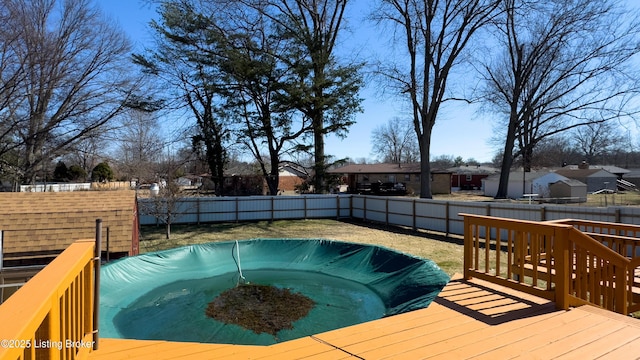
[425,164]
[273,179]
[319,157]
[507,162]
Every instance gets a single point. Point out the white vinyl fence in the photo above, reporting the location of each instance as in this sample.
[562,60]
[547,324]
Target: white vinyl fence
[434,215]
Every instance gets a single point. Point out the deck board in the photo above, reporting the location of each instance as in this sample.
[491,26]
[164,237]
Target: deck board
[469,320]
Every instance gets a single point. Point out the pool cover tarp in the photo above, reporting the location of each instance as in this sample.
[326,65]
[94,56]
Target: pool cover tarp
[163,295]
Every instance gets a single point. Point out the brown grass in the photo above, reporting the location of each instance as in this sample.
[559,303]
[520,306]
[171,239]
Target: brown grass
[447,252]
[628,198]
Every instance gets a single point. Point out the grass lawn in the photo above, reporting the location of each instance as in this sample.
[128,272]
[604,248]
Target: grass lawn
[447,252]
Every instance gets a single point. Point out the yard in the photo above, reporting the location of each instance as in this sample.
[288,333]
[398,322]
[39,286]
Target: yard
[628,198]
[445,251]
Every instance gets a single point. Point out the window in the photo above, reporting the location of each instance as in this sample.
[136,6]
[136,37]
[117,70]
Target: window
[392,178]
[469,177]
[407,177]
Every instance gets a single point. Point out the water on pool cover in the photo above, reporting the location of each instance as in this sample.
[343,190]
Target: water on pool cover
[176,311]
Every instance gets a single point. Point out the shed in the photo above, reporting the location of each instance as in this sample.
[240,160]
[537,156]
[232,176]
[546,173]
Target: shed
[441,181]
[38,226]
[522,183]
[569,189]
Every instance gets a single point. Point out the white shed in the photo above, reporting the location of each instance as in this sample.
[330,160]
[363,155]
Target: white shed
[522,183]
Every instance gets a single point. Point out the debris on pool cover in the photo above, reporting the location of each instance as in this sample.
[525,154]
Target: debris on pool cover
[261,308]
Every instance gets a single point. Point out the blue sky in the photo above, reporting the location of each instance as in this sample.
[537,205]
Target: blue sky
[459,131]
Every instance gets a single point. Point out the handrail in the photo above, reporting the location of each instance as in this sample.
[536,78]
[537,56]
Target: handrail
[618,228]
[553,260]
[599,274]
[51,316]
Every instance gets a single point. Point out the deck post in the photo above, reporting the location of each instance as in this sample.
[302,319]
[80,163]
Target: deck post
[1,249]
[468,246]
[562,266]
[96,288]
[622,296]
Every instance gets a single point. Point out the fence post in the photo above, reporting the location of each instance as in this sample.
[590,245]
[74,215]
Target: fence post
[447,219]
[96,289]
[273,208]
[198,210]
[337,207]
[237,210]
[386,212]
[364,209]
[543,213]
[415,226]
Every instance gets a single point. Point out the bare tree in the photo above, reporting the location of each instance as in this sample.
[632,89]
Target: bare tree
[435,34]
[140,145]
[67,76]
[395,141]
[594,140]
[564,65]
[88,151]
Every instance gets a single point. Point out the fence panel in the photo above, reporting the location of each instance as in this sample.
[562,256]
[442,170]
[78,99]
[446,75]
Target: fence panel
[426,214]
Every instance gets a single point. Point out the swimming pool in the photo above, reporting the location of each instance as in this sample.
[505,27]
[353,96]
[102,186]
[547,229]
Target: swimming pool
[163,295]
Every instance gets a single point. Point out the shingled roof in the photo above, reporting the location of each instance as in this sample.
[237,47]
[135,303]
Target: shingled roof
[380,168]
[45,223]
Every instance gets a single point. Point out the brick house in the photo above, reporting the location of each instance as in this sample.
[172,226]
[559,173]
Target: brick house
[359,177]
[469,177]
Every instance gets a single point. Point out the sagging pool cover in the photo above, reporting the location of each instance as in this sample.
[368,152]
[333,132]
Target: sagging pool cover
[163,295]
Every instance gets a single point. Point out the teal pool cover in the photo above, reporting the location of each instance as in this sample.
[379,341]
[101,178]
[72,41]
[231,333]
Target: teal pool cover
[163,295]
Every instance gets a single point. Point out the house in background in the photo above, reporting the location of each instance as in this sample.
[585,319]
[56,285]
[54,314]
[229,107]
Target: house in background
[37,227]
[360,177]
[292,176]
[469,177]
[615,170]
[596,179]
[247,179]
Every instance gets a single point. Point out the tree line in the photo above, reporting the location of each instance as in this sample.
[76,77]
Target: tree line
[267,78]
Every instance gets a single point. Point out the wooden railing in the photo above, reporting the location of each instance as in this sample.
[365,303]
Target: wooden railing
[52,315]
[553,260]
[621,238]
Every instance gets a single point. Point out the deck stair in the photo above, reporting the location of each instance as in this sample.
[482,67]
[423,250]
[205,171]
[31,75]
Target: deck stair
[570,262]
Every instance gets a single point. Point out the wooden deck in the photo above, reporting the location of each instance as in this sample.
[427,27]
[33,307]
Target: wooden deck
[469,320]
